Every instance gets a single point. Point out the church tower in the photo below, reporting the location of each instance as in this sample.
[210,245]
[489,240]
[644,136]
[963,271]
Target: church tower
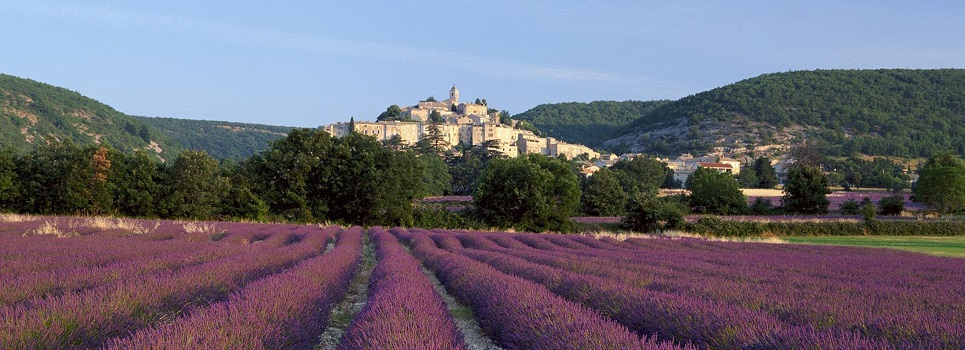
[454,95]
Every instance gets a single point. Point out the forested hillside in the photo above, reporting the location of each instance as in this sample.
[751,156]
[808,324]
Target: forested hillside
[222,140]
[587,123]
[34,113]
[905,113]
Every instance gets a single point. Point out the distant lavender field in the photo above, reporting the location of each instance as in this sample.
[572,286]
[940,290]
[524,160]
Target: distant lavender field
[838,197]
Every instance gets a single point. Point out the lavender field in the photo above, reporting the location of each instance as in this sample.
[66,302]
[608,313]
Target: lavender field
[83,283]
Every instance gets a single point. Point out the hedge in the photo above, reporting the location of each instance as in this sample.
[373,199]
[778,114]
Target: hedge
[713,226]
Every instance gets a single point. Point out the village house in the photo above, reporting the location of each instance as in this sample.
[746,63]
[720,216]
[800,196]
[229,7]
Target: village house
[463,123]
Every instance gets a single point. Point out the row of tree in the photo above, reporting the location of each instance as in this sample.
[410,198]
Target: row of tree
[310,176]
[306,177]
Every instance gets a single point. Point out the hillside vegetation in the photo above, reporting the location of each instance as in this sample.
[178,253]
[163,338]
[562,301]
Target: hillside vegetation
[904,113]
[587,123]
[222,140]
[35,114]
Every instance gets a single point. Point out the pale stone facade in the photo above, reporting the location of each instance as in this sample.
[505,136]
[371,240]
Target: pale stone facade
[470,124]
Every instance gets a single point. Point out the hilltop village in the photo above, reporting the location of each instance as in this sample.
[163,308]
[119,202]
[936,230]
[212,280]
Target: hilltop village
[474,123]
[462,123]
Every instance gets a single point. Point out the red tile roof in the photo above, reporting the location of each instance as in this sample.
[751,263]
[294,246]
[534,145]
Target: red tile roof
[716,165]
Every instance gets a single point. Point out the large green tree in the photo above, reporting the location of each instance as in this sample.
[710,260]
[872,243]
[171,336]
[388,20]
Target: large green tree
[391,113]
[466,163]
[641,174]
[532,193]
[766,176]
[646,213]
[941,184]
[806,191]
[310,176]
[435,177]
[138,185]
[195,187]
[715,192]
[292,175]
[602,194]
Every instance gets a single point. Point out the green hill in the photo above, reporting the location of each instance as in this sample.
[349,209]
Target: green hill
[897,112]
[34,113]
[222,140]
[587,123]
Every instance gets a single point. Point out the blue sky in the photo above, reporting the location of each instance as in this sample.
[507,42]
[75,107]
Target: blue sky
[308,63]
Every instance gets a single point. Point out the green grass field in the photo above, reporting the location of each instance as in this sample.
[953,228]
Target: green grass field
[942,246]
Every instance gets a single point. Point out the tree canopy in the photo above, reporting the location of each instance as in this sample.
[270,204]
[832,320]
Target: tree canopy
[715,192]
[531,192]
[806,191]
[586,123]
[640,174]
[941,184]
[602,194]
[894,112]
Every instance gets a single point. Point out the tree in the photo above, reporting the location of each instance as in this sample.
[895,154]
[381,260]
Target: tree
[195,187]
[393,112]
[433,141]
[138,189]
[714,192]
[533,193]
[9,183]
[466,165]
[292,176]
[54,179]
[762,206]
[310,176]
[850,207]
[766,176]
[892,205]
[807,155]
[394,143]
[602,195]
[646,213]
[240,203]
[806,191]
[504,118]
[851,180]
[941,184]
[747,178]
[99,184]
[640,174]
[436,180]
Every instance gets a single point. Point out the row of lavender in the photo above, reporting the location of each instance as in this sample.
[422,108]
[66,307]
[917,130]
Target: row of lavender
[403,310]
[284,311]
[518,313]
[730,295]
[101,285]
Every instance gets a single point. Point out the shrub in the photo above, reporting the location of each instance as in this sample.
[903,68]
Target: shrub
[891,205]
[850,207]
[762,206]
[646,213]
[713,226]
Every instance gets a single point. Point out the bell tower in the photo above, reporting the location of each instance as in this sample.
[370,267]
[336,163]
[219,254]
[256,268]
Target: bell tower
[454,95]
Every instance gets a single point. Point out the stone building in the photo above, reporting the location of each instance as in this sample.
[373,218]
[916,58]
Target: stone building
[465,123]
